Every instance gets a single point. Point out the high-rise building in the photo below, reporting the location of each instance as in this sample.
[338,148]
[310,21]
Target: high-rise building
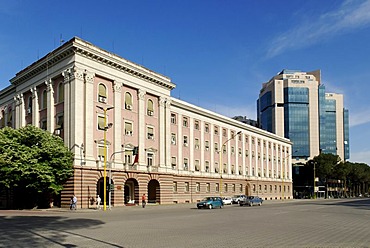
[295,105]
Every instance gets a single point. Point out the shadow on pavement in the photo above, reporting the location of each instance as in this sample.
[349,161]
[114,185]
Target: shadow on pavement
[44,231]
[363,203]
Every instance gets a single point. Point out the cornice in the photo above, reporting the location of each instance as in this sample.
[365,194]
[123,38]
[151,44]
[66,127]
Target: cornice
[218,117]
[77,46]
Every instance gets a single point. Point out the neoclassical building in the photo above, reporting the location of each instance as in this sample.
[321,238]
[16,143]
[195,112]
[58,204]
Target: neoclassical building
[119,117]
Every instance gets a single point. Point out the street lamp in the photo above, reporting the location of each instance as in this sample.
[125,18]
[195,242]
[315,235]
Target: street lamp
[220,153]
[314,179]
[283,176]
[110,175]
[105,152]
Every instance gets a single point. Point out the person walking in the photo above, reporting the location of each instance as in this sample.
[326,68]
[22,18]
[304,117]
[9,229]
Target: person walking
[143,200]
[74,202]
[98,201]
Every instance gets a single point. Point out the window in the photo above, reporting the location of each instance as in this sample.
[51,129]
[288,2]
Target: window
[270,188]
[29,109]
[240,170]
[260,188]
[186,164]
[265,188]
[232,150]
[150,159]
[44,99]
[101,153]
[240,152]
[186,186]
[224,149]
[173,139]
[208,187]
[102,94]
[196,146]
[207,166]
[128,157]
[241,188]
[225,168]
[196,125]
[206,127]
[150,109]
[207,145]
[254,188]
[44,123]
[173,119]
[174,186]
[150,132]
[60,92]
[224,133]
[59,122]
[233,187]
[217,187]
[216,130]
[128,101]
[217,167]
[197,187]
[185,140]
[173,162]
[101,122]
[216,147]
[225,188]
[185,122]
[197,166]
[128,128]
[232,134]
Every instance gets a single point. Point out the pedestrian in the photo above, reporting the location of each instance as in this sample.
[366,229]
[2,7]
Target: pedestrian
[74,202]
[98,201]
[71,204]
[143,200]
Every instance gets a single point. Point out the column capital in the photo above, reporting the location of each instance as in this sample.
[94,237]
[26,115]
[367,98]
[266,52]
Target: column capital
[162,101]
[117,86]
[141,93]
[168,103]
[89,77]
[49,85]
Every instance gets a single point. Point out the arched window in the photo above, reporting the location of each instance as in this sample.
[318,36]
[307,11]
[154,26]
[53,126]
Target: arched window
[9,122]
[102,95]
[128,101]
[60,92]
[2,121]
[44,99]
[29,105]
[150,108]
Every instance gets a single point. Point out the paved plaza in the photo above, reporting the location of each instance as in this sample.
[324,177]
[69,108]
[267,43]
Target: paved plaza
[291,223]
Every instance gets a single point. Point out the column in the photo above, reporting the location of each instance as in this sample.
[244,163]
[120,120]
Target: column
[35,108]
[163,132]
[67,107]
[50,106]
[212,149]
[142,126]
[179,143]
[202,147]
[19,117]
[117,123]
[90,109]
[191,145]
[168,132]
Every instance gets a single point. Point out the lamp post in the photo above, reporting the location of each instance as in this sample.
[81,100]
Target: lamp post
[283,176]
[220,153]
[105,152]
[110,175]
[314,180]
[81,147]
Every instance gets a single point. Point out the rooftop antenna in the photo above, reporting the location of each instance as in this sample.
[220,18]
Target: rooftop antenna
[61,41]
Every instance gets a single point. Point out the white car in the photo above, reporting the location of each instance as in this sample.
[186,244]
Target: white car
[227,200]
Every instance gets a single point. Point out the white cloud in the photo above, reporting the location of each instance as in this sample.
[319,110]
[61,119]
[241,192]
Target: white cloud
[231,111]
[360,157]
[349,16]
[359,118]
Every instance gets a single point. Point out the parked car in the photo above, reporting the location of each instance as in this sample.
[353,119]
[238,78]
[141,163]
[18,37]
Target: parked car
[210,202]
[227,200]
[237,198]
[250,201]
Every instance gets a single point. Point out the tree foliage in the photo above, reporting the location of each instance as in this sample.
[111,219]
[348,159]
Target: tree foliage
[33,161]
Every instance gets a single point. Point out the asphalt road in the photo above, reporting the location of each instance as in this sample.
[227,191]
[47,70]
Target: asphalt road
[293,223]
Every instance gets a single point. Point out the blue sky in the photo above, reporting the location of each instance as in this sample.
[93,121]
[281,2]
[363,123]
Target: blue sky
[218,53]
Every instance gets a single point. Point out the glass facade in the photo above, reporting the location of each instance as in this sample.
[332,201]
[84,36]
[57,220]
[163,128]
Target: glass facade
[296,119]
[346,133]
[265,108]
[329,144]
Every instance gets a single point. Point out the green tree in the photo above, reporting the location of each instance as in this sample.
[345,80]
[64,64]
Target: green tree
[34,164]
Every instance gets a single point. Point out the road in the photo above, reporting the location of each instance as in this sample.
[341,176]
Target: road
[293,223]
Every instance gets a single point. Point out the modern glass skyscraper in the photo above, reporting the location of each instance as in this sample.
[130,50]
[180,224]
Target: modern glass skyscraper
[295,105]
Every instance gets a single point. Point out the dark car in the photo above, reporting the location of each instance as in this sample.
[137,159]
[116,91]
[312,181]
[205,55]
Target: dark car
[210,202]
[250,201]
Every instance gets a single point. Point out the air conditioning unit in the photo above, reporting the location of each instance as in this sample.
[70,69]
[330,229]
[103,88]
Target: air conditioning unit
[129,107]
[102,99]
[29,111]
[186,144]
[150,113]
[129,133]
[57,132]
